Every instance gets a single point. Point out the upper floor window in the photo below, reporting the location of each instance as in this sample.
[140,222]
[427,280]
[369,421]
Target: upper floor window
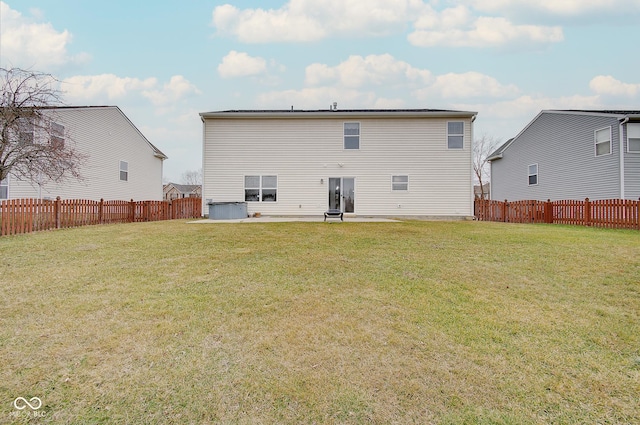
[399,183]
[124,171]
[4,188]
[455,134]
[533,174]
[352,135]
[57,135]
[261,188]
[603,141]
[26,130]
[633,137]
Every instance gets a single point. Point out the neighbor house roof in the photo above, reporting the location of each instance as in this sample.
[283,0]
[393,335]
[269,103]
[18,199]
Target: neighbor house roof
[619,114]
[323,113]
[156,152]
[184,188]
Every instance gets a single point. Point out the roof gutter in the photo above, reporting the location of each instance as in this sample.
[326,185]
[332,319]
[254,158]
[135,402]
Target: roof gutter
[336,114]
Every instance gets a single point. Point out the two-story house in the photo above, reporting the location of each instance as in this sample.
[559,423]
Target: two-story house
[570,154]
[120,162]
[409,162]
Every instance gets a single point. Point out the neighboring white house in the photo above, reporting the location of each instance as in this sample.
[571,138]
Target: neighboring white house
[121,164]
[570,154]
[412,162]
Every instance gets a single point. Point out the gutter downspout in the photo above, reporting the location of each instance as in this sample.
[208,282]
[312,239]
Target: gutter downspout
[473,194]
[622,123]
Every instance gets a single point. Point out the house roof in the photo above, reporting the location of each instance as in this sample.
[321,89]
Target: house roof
[324,113]
[156,152]
[597,111]
[184,188]
[498,152]
[619,114]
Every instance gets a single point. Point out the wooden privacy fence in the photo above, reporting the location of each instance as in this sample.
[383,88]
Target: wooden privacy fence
[611,213]
[31,215]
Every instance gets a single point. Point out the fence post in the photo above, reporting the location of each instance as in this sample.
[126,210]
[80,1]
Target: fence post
[638,213]
[548,212]
[132,211]
[587,212]
[100,211]
[57,211]
[504,211]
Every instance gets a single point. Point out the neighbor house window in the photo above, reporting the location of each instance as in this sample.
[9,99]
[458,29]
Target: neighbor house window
[261,188]
[57,135]
[4,188]
[352,135]
[603,141]
[26,130]
[533,174]
[633,137]
[399,183]
[455,135]
[124,171]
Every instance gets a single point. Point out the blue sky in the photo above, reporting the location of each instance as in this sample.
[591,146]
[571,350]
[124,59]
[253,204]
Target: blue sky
[163,62]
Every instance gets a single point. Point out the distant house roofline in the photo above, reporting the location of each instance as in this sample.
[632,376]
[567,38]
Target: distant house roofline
[156,152]
[338,113]
[619,114]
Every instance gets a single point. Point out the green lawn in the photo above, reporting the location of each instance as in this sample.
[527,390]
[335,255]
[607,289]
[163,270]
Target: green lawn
[413,322]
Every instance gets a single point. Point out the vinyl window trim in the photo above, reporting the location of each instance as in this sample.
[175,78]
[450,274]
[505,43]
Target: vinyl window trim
[596,143]
[397,185]
[530,174]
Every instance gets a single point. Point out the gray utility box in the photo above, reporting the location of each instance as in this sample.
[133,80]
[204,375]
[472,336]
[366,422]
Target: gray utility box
[227,210]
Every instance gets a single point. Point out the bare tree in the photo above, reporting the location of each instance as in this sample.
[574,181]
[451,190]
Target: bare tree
[192,177]
[34,145]
[482,148]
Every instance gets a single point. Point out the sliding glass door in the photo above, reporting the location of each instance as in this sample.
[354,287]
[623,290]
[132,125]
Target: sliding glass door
[342,192]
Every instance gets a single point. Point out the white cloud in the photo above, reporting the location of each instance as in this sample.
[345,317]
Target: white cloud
[310,20]
[316,98]
[607,85]
[109,88]
[386,71]
[457,27]
[104,86]
[240,64]
[556,7]
[27,43]
[177,88]
[466,85]
[358,71]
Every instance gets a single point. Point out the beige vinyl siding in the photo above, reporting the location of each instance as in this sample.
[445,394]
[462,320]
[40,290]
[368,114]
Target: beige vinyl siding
[302,152]
[106,137]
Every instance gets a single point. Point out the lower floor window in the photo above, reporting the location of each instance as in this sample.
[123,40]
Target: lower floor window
[533,174]
[124,171]
[4,188]
[399,183]
[261,188]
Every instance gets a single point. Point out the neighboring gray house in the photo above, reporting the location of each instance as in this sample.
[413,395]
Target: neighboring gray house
[414,162]
[121,164]
[570,154]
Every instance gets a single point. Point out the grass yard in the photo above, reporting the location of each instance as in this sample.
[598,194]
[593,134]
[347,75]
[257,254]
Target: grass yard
[413,322]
